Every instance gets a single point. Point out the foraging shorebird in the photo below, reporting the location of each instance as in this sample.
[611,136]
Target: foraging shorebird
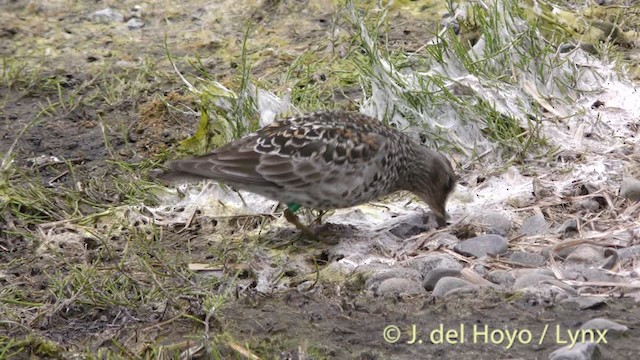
[325,160]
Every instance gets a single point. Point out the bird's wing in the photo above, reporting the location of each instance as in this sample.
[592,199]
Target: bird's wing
[287,153]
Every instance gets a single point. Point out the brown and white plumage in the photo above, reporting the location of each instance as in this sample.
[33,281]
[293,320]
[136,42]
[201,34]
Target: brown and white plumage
[326,160]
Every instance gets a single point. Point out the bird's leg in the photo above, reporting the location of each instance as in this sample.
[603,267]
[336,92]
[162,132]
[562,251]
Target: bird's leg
[292,218]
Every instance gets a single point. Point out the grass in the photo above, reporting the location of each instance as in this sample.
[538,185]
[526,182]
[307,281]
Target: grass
[90,259]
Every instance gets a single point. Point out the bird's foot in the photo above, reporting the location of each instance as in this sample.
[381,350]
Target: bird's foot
[292,218]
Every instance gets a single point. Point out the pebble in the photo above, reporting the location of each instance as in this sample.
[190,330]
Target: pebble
[579,351]
[501,277]
[569,226]
[591,205]
[107,15]
[531,279]
[448,283]
[135,23]
[534,225]
[482,245]
[584,256]
[493,222]
[562,253]
[436,274]
[630,189]
[601,324]
[404,273]
[424,264]
[441,240]
[632,252]
[525,258]
[406,226]
[400,286]
[599,275]
[583,302]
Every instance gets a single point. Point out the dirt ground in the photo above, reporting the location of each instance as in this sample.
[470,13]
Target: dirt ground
[96,94]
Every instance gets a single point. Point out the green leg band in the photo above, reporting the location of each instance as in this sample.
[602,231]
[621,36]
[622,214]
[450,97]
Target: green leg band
[293,207]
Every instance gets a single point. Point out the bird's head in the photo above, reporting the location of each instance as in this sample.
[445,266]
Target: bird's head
[432,179]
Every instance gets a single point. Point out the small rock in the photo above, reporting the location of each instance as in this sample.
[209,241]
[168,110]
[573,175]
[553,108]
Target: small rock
[436,274]
[494,222]
[534,225]
[135,23]
[584,256]
[482,245]
[404,273]
[107,15]
[305,286]
[630,189]
[531,279]
[424,264]
[441,240]
[544,294]
[584,302]
[632,252]
[599,275]
[562,253]
[579,351]
[400,286]
[501,277]
[601,324]
[591,205]
[479,269]
[570,225]
[406,226]
[447,283]
[529,259]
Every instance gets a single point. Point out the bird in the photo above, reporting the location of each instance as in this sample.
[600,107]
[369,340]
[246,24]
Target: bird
[324,160]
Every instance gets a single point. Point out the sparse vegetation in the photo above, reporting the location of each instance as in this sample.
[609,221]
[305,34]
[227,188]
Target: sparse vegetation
[89,268]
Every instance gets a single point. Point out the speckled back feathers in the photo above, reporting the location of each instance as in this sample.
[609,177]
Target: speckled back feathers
[323,160]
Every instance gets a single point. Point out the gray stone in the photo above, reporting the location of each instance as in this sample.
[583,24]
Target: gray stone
[632,252]
[424,264]
[463,290]
[570,225]
[562,253]
[630,189]
[482,245]
[406,226]
[436,274]
[599,275]
[531,279]
[579,351]
[400,286]
[602,324]
[135,23]
[525,258]
[107,15]
[585,256]
[544,294]
[501,277]
[494,222]
[534,225]
[590,205]
[447,283]
[480,269]
[404,273]
[583,302]
[440,240]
